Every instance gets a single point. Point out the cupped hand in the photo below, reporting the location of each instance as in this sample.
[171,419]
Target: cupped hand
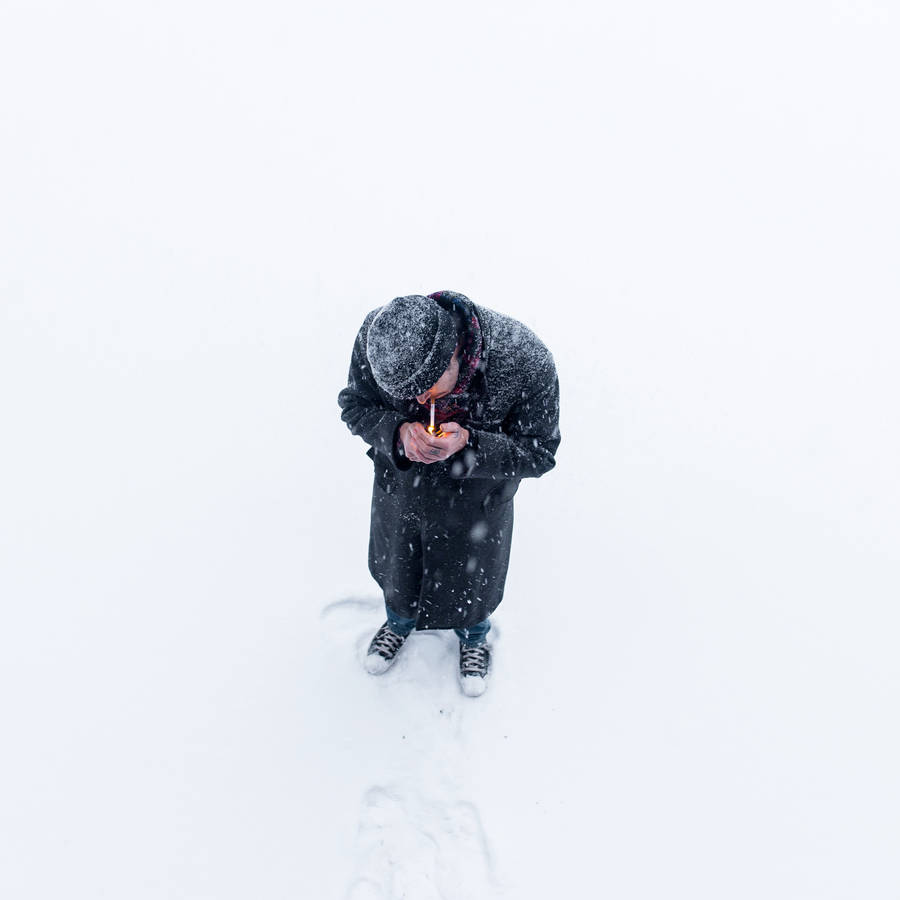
[420,446]
[455,438]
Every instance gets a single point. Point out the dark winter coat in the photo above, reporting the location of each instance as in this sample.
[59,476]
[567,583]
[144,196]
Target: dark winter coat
[440,533]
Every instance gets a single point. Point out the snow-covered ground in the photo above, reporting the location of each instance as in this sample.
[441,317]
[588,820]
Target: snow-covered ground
[696,672]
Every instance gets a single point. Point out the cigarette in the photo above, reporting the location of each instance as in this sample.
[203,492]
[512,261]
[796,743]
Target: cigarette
[431,429]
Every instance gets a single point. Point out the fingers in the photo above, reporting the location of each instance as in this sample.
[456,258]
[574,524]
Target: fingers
[425,448]
[412,453]
[417,452]
[426,439]
[454,439]
[420,446]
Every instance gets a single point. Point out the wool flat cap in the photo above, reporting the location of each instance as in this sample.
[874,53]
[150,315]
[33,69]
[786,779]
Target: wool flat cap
[410,345]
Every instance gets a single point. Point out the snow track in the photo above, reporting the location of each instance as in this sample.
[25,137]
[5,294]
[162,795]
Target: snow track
[410,845]
[420,833]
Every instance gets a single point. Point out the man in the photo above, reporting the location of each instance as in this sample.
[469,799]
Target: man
[442,503]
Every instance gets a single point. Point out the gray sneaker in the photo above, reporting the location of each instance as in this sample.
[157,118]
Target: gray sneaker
[383,650]
[474,668]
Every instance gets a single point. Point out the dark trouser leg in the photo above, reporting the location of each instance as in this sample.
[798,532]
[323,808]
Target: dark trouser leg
[476,635]
[402,625]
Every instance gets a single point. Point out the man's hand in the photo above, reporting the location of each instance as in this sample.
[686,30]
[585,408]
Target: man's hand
[455,438]
[420,446]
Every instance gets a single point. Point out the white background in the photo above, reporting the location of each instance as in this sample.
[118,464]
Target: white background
[694,205]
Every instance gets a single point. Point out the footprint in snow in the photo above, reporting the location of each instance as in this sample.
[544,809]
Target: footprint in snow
[410,846]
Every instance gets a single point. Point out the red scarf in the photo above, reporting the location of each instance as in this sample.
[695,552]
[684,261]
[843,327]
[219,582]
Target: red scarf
[456,404]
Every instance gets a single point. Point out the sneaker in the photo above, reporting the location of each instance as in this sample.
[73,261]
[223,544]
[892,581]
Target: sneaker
[474,666]
[383,650]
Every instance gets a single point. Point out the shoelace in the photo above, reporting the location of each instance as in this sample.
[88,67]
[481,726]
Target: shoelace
[473,660]
[387,642]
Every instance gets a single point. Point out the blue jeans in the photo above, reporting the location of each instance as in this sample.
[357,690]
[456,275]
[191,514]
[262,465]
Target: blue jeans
[471,637]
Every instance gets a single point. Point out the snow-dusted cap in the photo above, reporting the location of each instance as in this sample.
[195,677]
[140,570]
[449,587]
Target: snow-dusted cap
[410,345]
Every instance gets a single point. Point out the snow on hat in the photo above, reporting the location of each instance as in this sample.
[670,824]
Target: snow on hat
[410,344]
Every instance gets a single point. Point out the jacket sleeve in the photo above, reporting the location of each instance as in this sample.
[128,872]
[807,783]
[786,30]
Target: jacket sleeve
[361,405]
[527,443]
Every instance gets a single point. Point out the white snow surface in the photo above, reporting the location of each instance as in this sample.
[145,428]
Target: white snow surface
[695,680]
